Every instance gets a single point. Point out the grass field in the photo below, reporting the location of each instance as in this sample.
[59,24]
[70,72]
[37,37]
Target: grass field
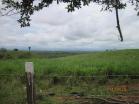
[51,66]
[95,63]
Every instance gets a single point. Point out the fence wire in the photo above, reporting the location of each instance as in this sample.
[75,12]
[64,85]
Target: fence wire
[62,87]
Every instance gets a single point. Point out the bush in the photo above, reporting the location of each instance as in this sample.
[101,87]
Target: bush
[1,55]
[3,50]
[15,49]
[24,55]
[8,56]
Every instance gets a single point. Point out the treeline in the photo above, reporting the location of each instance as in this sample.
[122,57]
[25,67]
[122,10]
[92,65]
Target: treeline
[13,54]
[56,54]
[18,54]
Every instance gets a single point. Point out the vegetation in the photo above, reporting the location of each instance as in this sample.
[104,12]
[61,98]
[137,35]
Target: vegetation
[94,63]
[26,8]
[51,79]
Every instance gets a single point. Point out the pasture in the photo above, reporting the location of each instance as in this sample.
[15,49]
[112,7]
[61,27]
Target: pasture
[121,62]
[68,73]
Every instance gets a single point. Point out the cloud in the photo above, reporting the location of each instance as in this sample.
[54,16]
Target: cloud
[54,28]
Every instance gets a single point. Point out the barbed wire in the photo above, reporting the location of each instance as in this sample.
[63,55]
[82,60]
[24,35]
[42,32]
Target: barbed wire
[49,76]
[11,74]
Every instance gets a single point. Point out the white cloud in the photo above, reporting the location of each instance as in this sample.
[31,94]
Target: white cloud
[54,28]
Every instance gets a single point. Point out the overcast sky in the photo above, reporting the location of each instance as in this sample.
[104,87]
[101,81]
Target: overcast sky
[85,29]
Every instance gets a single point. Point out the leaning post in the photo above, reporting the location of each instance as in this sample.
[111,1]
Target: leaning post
[30,87]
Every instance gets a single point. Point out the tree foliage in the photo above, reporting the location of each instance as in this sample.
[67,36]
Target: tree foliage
[26,8]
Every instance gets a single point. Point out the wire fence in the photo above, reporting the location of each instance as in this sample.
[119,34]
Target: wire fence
[126,75]
[13,87]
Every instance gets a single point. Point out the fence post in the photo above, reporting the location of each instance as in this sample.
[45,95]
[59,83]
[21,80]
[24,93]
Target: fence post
[29,73]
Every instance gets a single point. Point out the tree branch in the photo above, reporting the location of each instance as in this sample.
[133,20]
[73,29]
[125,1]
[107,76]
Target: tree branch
[8,13]
[118,23]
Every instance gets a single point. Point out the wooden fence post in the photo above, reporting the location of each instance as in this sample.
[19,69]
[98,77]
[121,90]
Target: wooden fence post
[29,71]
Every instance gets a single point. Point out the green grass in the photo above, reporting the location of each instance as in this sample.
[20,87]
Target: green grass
[12,88]
[95,63]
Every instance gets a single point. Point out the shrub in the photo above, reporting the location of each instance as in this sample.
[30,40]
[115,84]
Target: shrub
[1,55]
[24,55]
[15,49]
[3,50]
[8,56]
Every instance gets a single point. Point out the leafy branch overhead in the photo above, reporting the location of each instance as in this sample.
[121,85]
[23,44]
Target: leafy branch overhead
[26,8]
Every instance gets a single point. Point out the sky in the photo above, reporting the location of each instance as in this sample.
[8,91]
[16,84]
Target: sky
[86,29]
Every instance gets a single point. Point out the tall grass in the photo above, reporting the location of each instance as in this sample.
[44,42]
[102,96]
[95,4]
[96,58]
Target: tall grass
[113,62]
[12,88]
